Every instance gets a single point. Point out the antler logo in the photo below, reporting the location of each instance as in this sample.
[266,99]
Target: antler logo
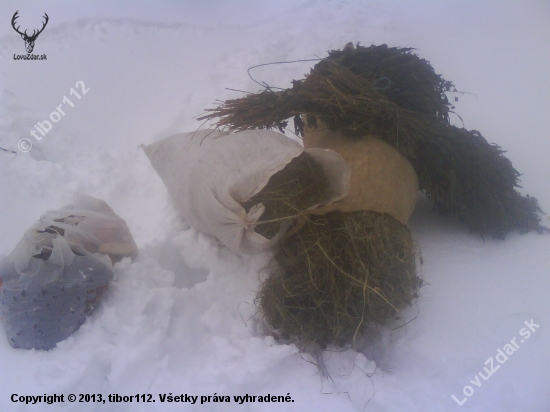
[29,40]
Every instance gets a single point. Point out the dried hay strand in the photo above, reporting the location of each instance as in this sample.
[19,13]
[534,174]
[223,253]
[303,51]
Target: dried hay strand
[289,192]
[393,94]
[338,274]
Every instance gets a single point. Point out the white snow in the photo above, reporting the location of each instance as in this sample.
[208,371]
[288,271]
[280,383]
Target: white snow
[178,319]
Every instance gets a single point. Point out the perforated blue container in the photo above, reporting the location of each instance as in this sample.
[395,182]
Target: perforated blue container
[38,316]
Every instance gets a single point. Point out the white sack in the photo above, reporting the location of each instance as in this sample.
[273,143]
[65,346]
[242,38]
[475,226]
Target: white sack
[209,174]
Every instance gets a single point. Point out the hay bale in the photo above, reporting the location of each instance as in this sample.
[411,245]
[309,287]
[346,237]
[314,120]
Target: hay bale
[342,269]
[337,274]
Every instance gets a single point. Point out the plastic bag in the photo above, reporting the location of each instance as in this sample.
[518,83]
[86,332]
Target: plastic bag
[59,270]
[209,174]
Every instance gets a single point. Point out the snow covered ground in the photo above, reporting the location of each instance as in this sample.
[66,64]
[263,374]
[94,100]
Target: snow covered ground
[177,320]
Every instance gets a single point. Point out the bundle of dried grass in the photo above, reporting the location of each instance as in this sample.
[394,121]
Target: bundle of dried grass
[337,274]
[289,192]
[393,94]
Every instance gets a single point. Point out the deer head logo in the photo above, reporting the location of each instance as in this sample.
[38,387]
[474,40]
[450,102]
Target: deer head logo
[29,40]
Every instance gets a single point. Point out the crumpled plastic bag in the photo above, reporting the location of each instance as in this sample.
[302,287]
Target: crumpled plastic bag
[209,175]
[57,273]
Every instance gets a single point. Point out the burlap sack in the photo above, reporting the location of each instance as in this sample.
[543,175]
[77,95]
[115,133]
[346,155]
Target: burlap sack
[382,180]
